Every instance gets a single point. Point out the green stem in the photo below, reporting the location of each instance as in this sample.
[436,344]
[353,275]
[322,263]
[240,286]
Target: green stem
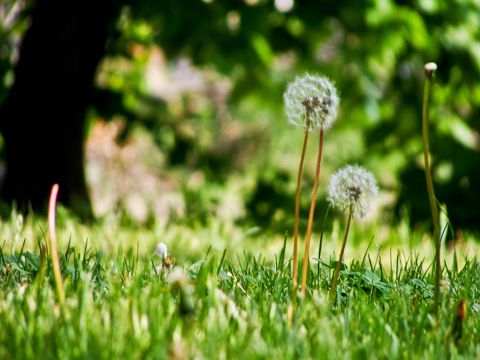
[333,288]
[297,218]
[428,177]
[310,215]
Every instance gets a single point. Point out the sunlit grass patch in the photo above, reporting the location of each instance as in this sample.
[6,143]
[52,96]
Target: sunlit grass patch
[233,302]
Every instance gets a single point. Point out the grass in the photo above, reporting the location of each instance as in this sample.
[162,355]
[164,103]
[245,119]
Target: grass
[234,304]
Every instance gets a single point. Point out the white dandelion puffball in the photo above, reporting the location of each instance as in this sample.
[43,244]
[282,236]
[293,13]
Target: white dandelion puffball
[352,186]
[311,101]
[161,250]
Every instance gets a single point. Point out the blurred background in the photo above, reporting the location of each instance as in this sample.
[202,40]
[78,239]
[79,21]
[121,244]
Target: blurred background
[172,110]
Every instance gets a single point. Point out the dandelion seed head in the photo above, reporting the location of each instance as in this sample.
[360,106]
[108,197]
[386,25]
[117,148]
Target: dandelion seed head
[311,101]
[353,186]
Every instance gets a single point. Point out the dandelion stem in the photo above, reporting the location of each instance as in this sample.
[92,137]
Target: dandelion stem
[53,245]
[310,215]
[333,288]
[297,218]
[320,243]
[429,72]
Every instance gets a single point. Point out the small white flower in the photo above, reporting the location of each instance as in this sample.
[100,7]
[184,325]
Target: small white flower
[353,186]
[311,101]
[161,250]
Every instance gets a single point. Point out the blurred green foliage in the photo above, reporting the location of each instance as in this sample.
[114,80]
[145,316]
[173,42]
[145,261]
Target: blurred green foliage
[13,23]
[374,51]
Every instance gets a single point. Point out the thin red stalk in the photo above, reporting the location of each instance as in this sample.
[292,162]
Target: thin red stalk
[310,215]
[53,244]
[297,217]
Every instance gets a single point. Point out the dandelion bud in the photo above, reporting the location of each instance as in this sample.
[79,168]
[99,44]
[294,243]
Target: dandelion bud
[352,186]
[311,101]
[430,69]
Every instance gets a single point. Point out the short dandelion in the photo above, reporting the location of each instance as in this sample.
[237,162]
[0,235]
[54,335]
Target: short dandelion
[167,261]
[351,189]
[310,101]
[161,250]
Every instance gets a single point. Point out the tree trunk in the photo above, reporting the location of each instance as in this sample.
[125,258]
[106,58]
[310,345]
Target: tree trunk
[43,118]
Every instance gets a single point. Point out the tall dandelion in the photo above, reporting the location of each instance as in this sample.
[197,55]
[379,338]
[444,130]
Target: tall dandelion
[310,101]
[430,69]
[351,189]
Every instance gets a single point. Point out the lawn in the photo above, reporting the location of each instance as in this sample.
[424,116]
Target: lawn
[228,294]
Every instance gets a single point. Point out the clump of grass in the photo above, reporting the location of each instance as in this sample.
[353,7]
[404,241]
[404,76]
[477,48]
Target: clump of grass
[430,69]
[236,307]
[43,264]
[351,189]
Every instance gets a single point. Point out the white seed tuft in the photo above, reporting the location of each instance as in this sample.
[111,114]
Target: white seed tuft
[161,250]
[311,101]
[353,186]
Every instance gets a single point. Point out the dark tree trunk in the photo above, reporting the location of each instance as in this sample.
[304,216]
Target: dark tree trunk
[43,118]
